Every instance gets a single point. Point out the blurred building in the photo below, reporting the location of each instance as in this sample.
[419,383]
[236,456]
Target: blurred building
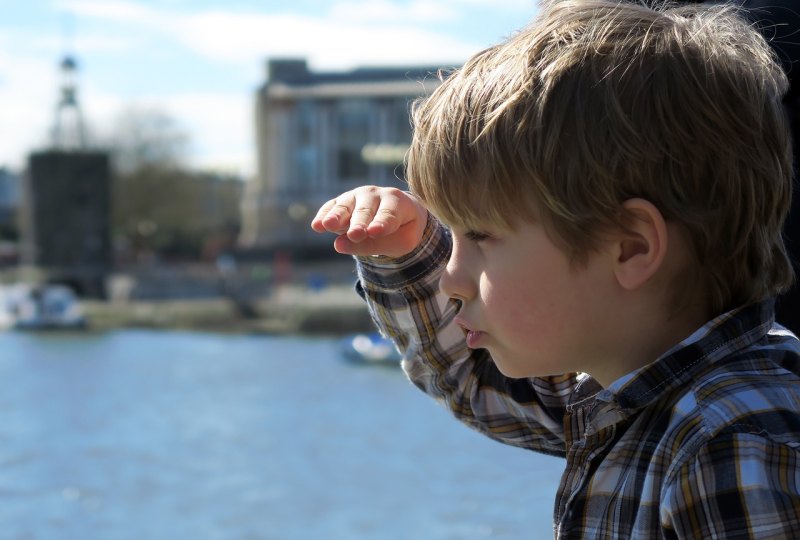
[322,133]
[66,218]
[10,200]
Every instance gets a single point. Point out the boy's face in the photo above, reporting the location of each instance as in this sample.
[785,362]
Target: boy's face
[525,303]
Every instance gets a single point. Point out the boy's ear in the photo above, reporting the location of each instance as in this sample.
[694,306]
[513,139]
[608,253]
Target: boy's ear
[641,247]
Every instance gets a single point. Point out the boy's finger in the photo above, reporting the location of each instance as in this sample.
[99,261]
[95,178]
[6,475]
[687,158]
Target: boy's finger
[386,219]
[336,217]
[316,223]
[366,203]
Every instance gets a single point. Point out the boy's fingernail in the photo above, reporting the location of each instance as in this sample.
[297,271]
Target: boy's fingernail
[356,232]
[377,227]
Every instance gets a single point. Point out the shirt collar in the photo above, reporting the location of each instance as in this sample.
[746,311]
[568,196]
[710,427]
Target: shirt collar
[714,341]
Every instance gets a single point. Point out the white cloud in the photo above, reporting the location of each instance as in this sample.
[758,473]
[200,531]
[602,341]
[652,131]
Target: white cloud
[374,31]
[227,124]
[28,92]
[83,44]
[111,10]
[382,11]
[104,43]
[511,5]
[327,43]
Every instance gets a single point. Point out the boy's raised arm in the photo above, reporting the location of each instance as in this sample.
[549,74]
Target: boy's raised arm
[401,286]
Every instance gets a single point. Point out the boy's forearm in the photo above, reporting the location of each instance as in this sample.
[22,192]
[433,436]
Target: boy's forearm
[405,301]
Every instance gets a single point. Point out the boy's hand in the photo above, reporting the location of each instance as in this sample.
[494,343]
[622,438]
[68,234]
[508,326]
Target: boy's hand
[372,220]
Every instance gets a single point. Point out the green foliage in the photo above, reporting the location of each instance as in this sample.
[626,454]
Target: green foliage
[161,206]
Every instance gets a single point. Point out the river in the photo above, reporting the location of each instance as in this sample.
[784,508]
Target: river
[177,435]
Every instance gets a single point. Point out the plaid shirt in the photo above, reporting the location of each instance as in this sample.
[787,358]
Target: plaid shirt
[702,443]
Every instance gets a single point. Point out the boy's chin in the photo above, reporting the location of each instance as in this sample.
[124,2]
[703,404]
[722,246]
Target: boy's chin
[518,367]
[511,368]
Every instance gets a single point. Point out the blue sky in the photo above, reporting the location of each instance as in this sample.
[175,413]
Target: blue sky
[200,61]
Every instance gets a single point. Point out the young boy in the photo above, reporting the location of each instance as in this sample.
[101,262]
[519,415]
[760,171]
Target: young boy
[613,180]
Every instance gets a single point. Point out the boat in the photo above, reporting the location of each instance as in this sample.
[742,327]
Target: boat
[39,307]
[370,348]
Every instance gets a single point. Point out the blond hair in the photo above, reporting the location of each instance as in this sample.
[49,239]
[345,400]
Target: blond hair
[597,102]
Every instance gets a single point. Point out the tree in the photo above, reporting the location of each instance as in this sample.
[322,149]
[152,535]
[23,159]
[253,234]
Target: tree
[147,136]
[159,205]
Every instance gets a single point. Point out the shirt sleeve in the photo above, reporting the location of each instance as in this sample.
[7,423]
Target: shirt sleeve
[405,301]
[738,485]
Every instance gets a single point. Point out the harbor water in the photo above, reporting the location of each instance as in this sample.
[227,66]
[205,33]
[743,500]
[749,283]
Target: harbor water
[178,435]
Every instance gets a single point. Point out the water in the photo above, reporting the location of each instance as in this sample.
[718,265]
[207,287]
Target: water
[147,435]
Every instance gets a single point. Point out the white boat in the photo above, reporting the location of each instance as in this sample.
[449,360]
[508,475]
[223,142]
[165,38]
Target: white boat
[39,307]
[370,348]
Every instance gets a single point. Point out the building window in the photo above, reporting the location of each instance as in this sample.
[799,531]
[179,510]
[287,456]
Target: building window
[306,161]
[353,120]
[306,147]
[400,122]
[305,123]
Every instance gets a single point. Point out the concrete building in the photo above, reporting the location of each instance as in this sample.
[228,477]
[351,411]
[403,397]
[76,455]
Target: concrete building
[319,134]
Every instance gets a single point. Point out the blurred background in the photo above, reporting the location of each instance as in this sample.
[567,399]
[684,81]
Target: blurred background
[181,356]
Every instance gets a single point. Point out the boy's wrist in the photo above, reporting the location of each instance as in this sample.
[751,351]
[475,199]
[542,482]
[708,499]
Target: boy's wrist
[386,261]
[396,272]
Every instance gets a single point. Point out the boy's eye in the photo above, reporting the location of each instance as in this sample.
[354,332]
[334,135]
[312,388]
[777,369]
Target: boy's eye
[476,236]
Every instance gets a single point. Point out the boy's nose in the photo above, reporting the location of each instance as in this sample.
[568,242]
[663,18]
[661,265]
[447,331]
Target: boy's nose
[455,282]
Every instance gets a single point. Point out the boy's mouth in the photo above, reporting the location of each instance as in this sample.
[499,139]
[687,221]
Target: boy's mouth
[473,337]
